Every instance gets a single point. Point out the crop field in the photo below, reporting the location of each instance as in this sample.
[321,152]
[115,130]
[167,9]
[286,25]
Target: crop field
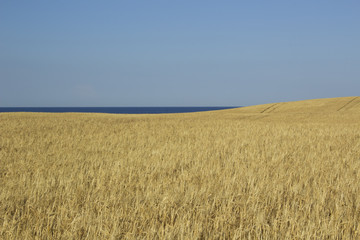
[275,171]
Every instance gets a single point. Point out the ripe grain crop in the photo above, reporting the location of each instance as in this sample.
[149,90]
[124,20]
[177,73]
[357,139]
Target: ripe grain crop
[276,171]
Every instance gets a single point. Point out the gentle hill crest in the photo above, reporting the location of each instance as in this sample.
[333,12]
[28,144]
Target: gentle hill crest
[325,105]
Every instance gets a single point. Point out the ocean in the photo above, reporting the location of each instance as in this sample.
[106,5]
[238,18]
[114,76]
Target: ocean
[123,110]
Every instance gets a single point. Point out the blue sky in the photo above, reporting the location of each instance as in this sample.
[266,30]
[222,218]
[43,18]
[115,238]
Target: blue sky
[177,53]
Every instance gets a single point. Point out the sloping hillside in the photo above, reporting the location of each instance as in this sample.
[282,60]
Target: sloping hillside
[326,105]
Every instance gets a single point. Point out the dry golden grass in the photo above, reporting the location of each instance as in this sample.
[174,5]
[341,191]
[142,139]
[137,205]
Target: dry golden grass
[284,171]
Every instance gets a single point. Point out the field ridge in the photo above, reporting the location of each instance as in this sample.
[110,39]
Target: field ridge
[325,105]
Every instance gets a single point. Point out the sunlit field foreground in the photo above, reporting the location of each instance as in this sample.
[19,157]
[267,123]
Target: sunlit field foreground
[275,171]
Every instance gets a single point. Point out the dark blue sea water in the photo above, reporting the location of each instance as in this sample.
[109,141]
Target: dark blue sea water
[124,110]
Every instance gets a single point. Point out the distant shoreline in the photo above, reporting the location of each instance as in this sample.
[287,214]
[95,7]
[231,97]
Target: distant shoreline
[116,110]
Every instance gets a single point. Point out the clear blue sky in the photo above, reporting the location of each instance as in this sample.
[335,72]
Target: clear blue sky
[177,53]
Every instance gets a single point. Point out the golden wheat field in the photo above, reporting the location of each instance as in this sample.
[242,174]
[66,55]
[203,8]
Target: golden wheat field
[275,171]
